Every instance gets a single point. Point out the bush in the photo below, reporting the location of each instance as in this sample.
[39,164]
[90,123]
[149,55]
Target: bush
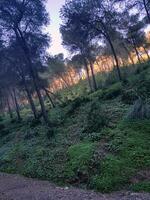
[93,137]
[143,89]
[2,126]
[77,103]
[1,118]
[96,119]
[113,174]
[113,91]
[141,187]
[111,78]
[129,96]
[79,162]
[97,94]
[34,123]
[140,110]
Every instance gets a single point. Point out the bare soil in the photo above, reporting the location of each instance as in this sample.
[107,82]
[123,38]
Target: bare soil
[15,187]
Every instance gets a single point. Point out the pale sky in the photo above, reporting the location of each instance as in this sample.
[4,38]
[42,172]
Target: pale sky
[53,7]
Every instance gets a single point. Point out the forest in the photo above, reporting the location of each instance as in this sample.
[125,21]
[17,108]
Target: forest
[81,120]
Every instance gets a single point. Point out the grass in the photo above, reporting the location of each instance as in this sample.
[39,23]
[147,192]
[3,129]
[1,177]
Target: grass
[141,187]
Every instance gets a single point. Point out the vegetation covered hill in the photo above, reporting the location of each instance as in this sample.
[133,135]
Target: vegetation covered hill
[98,140]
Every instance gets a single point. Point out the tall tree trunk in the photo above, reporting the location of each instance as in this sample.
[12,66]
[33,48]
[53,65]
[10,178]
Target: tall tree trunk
[115,57]
[16,104]
[106,35]
[136,51]
[88,76]
[146,52]
[33,108]
[146,9]
[24,47]
[93,76]
[54,95]
[130,57]
[9,108]
[49,97]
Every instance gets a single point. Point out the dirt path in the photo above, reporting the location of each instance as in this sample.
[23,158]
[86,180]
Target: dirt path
[14,187]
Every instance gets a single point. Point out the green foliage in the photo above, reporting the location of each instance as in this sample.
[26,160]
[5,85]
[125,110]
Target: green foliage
[113,173]
[90,144]
[80,156]
[129,96]
[130,143]
[96,119]
[141,186]
[143,89]
[2,126]
[98,94]
[113,91]
[140,110]
[76,103]
[93,137]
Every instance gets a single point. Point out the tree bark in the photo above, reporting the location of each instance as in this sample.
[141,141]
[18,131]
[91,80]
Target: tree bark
[126,49]
[115,57]
[136,51]
[49,97]
[16,104]
[147,10]
[93,76]
[33,108]
[9,109]
[55,96]
[88,76]
[146,53]
[26,51]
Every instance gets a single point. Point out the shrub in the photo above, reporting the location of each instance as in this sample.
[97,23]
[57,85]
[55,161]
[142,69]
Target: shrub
[141,187]
[140,110]
[1,118]
[94,137]
[129,96]
[111,78]
[2,126]
[77,103]
[34,123]
[143,89]
[97,94]
[113,174]
[113,92]
[79,160]
[96,119]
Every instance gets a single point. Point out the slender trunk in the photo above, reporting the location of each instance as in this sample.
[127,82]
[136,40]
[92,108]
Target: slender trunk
[16,105]
[93,77]
[137,54]
[55,96]
[115,57]
[136,51]
[33,108]
[24,47]
[106,35]
[32,105]
[49,97]
[9,109]
[147,10]
[142,57]
[63,79]
[130,57]
[88,76]
[146,53]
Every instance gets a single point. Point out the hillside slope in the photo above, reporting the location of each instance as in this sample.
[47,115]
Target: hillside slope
[100,141]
